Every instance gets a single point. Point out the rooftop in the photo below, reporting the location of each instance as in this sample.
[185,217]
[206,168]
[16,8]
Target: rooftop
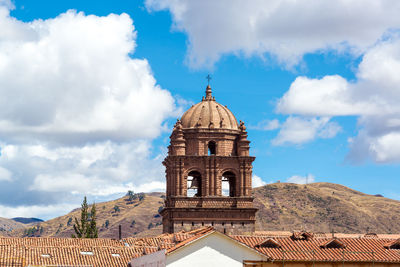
[277,246]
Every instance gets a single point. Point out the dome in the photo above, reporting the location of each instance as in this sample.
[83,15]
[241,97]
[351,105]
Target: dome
[209,114]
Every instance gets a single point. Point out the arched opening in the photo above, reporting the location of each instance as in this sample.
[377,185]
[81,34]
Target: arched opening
[228,184]
[194,184]
[212,148]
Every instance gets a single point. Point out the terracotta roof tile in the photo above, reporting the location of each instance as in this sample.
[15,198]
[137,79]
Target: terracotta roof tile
[357,249]
[111,252]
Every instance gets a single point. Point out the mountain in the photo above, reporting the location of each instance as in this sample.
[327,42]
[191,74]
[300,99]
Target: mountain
[137,214]
[27,220]
[9,225]
[323,207]
[316,207]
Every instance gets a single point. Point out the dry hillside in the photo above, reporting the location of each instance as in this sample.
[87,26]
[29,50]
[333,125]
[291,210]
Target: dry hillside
[136,216]
[323,207]
[317,207]
[8,225]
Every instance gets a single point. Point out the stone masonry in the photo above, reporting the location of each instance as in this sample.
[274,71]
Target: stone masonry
[208,172]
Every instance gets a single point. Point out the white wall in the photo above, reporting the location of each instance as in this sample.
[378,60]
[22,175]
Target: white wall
[212,250]
[156,259]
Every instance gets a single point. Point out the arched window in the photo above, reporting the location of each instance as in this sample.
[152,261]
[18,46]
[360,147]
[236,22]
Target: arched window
[212,148]
[228,184]
[194,184]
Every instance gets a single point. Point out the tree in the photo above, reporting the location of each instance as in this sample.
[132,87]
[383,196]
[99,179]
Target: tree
[131,196]
[92,231]
[116,209]
[86,228]
[141,196]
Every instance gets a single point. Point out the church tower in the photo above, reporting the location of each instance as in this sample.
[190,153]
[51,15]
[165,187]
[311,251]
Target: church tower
[209,171]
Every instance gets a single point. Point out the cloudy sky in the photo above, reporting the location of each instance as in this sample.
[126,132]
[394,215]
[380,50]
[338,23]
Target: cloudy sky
[89,91]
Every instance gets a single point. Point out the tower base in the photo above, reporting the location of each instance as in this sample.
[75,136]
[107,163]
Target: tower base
[225,220]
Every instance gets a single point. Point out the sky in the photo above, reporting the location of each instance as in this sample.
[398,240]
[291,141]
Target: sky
[90,91]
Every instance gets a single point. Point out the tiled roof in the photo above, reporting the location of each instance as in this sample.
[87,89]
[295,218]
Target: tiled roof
[292,246]
[68,251]
[111,252]
[333,243]
[269,242]
[60,242]
[355,250]
[170,242]
[395,244]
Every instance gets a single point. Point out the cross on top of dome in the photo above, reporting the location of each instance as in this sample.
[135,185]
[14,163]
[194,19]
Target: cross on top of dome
[209,96]
[208,77]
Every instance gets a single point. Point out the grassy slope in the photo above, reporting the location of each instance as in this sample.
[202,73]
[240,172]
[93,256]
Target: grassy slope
[143,212]
[321,207]
[316,207]
[7,225]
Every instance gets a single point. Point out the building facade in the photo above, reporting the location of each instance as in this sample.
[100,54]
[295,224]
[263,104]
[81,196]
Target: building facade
[209,171]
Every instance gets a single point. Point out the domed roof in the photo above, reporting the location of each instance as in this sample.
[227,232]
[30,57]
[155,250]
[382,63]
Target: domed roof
[209,114]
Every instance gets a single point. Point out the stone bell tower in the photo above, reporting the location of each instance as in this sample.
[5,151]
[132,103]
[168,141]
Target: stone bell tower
[208,172]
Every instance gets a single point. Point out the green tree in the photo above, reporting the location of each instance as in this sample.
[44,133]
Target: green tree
[141,196]
[92,231]
[131,195]
[86,228]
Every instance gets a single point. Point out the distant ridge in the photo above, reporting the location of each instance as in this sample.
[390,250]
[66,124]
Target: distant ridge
[7,226]
[316,207]
[323,207]
[27,220]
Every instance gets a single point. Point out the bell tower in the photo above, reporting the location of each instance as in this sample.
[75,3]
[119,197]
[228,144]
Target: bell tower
[209,171]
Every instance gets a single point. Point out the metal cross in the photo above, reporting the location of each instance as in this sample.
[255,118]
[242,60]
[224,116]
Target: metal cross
[208,78]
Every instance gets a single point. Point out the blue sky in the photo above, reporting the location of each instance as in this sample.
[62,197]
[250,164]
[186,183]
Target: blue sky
[90,98]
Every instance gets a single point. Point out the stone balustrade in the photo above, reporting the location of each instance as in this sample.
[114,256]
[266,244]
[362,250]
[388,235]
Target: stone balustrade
[210,202]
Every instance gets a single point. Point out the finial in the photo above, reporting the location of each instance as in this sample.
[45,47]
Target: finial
[208,89]
[208,77]
[241,126]
[178,125]
[208,93]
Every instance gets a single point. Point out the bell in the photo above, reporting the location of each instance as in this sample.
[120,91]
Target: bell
[195,183]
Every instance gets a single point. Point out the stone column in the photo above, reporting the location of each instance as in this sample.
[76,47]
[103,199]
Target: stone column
[205,181]
[242,178]
[182,179]
[216,178]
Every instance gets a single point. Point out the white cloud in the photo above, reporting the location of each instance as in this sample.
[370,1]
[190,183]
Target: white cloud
[155,186]
[258,181]
[78,113]
[329,96]
[63,175]
[7,3]
[386,147]
[282,28]
[70,79]
[299,130]
[36,211]
[5,175]
[297,179]
[373,97]
[267,125]
[382,148]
